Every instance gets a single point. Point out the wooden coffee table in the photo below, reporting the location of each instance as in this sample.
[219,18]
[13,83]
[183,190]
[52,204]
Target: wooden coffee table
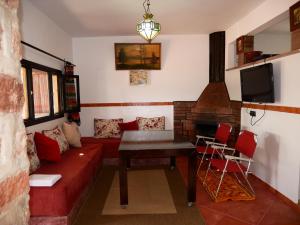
[152,144]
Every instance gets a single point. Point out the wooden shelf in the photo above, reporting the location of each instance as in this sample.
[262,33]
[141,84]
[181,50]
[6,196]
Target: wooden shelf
[266,60]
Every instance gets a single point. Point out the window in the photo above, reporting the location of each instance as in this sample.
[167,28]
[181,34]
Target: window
[43,93]
[40,86]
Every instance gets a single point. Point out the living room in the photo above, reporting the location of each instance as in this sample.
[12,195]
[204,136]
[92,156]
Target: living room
[85,35]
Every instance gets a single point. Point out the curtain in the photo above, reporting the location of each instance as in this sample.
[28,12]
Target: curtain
[40,91]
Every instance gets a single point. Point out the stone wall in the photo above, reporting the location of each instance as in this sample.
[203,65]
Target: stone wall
[14,188]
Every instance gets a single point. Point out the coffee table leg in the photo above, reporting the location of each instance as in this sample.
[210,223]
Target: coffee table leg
[128,163]
[192,159]
[123,182]
[172,162]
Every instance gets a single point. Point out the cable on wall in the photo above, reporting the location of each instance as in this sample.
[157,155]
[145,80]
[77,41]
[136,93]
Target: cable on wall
[255,122]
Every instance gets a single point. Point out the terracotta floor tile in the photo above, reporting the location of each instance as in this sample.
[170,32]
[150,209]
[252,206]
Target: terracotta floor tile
[281,214]
[212,217]
[267,209]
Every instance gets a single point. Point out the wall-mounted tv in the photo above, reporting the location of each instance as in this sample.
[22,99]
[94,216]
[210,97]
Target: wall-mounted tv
[257,84]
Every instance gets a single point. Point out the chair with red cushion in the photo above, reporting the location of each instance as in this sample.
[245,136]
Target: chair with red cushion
[246,145]
[221,137]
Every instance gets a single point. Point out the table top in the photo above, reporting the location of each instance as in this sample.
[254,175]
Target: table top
[146,140]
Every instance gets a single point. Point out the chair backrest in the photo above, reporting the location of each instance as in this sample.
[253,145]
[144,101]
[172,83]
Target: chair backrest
[246,143]
[223,133]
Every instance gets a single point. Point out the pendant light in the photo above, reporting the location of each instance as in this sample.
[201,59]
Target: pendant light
[148,28]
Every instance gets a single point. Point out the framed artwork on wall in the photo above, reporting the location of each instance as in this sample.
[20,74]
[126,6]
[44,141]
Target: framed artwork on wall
[138,77]
[137,56]
[244,44]
[295,16]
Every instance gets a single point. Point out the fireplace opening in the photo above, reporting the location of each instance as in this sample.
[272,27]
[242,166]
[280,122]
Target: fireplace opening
[206,128]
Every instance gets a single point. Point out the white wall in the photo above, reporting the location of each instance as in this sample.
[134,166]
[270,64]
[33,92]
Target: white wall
[183,76]
[277,159]
[272,43]
[257,20]
[37,29]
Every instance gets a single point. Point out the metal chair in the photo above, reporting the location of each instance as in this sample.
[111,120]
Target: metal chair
[221,137]
[246,145]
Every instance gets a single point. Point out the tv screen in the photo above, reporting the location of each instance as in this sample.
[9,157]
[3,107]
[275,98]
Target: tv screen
[257,84]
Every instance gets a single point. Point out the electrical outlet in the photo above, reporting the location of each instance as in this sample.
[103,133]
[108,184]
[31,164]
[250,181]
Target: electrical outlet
[252,113]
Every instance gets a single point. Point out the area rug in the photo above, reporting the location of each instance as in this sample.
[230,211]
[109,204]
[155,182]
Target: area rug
[92,211]
[148,193]
[230,189]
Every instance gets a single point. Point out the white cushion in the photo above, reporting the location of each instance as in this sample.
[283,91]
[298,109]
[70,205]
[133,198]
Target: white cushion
[72,134]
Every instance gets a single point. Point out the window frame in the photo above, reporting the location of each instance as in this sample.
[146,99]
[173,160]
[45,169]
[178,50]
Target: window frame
[29,65]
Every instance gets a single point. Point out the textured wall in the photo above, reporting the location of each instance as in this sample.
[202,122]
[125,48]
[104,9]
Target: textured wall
[14,164]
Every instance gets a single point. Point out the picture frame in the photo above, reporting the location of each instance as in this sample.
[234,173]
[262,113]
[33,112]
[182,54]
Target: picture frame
[295,17]
[244,44]
[138,77]
[137,56]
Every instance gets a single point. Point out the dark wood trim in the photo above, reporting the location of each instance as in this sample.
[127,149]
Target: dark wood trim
[266,60]
[47,53]
[114,104]
[276,108]
[282,197]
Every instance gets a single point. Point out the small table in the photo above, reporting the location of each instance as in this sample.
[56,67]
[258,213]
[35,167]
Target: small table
[151,144]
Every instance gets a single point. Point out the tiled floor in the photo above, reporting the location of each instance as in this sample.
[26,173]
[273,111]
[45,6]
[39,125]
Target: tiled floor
[267,209]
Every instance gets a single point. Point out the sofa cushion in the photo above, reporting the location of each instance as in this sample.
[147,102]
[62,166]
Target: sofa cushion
[155,123]
[107,128]
[58,135]
[110,145]
[32,154]
[133,125]
[77,167]
[47,149]
[72,134]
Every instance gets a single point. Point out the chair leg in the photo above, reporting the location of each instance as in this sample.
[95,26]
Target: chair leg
[246,179]
[208,168]
[220,183]
[199,167]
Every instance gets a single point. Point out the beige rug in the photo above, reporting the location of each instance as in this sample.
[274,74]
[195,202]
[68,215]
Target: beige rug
[148,193]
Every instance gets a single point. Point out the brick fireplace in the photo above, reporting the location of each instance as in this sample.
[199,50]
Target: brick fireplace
[202,116]
[214,105]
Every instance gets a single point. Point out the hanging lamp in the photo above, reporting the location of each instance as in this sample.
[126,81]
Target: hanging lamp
[148,28]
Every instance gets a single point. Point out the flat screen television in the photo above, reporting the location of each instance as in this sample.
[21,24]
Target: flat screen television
[257,84]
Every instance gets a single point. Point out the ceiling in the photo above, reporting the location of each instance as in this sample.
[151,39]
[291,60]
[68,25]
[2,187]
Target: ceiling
[118,17]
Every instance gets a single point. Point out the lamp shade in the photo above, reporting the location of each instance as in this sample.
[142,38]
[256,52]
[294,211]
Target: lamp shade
[148,28]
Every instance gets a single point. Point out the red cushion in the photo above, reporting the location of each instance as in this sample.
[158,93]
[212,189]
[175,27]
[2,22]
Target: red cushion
[77,167]
[223,133]
[110,145]
[47,149]
[209,150]
[133,125]
[246,143]
[232,166]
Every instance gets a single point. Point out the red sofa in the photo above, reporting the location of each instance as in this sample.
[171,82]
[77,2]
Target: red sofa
[59,204]
[78,167]
[110,145]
